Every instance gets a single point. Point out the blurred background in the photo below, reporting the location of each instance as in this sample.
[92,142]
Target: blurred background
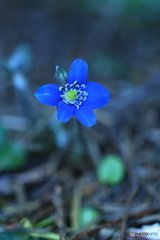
[104,173]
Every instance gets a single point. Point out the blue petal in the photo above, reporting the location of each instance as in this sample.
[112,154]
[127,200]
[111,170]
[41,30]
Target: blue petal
[78,71]
[48,94]
[85,115]
[65,111]
[98,96]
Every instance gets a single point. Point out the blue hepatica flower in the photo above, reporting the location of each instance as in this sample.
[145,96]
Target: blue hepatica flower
[76,97]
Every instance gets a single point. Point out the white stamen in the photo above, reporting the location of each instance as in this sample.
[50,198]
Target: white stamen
[80,95]
[61,88]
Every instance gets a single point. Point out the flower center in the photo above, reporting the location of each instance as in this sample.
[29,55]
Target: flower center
[73,94]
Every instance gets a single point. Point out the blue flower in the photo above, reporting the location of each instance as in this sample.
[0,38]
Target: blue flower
[77,97]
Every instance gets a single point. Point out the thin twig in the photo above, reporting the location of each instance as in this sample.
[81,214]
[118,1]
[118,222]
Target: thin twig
[57,200]
[126,215]
[112,223]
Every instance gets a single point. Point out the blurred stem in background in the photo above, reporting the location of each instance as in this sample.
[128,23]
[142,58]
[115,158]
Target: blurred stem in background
[18,68]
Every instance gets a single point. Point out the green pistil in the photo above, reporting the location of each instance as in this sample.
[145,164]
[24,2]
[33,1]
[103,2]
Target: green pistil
[71,95]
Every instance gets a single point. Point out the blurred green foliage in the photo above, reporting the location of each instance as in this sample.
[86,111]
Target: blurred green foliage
[12,155]
[105,65]
[125,7]
[111,170]
[16,235]
[45,222]
[88,216]
[3,134]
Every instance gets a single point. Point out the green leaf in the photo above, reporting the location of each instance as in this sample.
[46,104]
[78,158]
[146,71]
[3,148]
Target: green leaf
[26,223]
[12,156]
[88,215]
[111,170]
[45,235]
[46,222]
